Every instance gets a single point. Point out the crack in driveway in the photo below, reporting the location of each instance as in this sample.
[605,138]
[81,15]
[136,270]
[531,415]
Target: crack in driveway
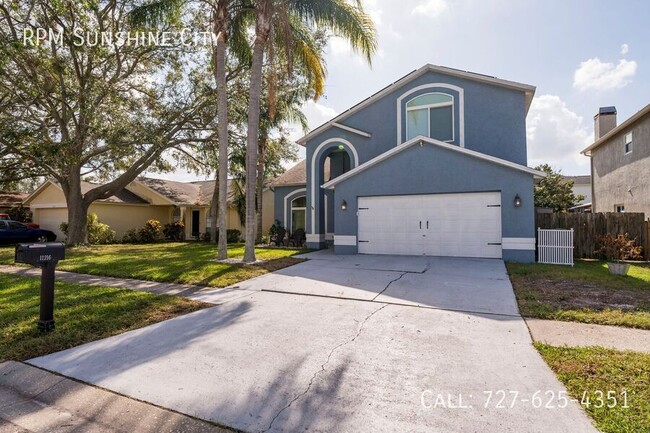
[322,367]
[388,285]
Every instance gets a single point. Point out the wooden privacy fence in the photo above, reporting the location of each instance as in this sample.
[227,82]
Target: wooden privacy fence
[587,227]
[555,246]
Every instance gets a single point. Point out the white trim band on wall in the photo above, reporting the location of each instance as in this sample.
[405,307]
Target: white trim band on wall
[518,244]
[311,237]
[345,240]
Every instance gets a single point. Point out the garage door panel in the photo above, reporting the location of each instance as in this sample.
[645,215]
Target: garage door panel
[463,225]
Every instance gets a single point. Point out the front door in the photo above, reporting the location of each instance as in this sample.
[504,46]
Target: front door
[196,218]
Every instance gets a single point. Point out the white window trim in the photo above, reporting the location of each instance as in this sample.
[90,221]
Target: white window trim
[626,143]
[355,156]
[461,109]
[428,107]
[286,203]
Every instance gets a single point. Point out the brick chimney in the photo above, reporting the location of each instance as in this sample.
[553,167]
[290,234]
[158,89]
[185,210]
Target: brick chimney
[604,121]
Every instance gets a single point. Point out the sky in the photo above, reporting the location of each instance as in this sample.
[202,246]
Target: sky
[580,54]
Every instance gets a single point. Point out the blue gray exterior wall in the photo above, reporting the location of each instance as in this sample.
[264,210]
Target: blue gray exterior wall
[282,195]
[429,169]
[494,124]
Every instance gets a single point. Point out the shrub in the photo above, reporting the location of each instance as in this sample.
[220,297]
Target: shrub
[174,231]
[150,232]
[20,213]
[265,240]
[273,230]
[98,232]
[233,236]
[131,237]
[618,248]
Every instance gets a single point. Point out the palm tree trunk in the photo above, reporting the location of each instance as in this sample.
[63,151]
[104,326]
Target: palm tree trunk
[252,143]
[214,211]
[220,25]
[260,187]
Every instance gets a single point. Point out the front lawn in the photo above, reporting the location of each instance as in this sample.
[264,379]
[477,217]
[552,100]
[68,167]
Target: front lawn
[177,262]
[82,314]
[588,372]
[585,293]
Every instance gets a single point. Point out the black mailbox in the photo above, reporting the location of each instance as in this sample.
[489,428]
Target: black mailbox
[45,256]
[40,254]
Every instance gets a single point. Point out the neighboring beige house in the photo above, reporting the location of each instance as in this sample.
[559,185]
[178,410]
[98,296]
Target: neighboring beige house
[142,200]
[620,162]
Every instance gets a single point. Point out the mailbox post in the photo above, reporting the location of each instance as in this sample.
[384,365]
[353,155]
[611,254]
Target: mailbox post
[44,256]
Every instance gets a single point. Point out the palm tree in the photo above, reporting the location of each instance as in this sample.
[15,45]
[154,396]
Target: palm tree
[286,108]
[286,19]
[227,18]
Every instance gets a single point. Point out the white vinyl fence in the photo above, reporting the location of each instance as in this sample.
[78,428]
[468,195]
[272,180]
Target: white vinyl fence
[555,246]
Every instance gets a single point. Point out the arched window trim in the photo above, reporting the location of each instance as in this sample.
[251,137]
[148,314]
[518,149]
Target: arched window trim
[438,85]
[293,208]
[298,198]
[428,107]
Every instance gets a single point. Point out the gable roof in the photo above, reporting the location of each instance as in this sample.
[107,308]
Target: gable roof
[420,139]
[125,196]
[526,88]
[197,193]
[579,180]
[629,122]
[297,175]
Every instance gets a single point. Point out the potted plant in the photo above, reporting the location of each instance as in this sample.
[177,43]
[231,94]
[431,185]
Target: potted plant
[616,249]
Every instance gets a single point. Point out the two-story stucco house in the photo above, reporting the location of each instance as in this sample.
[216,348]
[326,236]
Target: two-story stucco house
[620,162]
[433,164]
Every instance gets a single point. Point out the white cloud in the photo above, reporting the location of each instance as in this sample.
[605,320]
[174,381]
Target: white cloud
[625,48]
[431,8]
[556,135]
[597,75]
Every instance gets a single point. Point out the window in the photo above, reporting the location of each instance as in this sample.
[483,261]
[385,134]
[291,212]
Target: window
[431,115]
[628,143]
[176,214]
[298,213]
[619,208]
[14,225]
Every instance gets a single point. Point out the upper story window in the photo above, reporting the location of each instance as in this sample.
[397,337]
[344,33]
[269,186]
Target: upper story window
[628,143]
[431,115]
[619,208]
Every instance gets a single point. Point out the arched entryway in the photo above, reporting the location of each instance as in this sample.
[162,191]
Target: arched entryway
[331,159]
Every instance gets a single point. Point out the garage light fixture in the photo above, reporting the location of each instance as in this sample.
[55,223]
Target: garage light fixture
[344,205]
[517,201]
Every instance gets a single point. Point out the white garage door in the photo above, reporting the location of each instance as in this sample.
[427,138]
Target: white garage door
[458,225]
[51,219]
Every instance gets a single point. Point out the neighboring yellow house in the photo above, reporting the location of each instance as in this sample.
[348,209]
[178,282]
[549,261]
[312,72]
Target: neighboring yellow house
[142,200]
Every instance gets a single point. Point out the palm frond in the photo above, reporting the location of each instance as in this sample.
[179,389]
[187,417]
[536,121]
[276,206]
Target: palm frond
[344,19]
[156,12]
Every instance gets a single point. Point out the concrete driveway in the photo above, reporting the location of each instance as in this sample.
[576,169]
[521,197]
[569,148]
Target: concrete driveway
[344,344]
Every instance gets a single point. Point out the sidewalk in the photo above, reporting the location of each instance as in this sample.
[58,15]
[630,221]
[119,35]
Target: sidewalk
[34,400]
[212,295]
[574,334]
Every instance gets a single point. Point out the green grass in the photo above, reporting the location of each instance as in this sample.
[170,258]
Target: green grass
[82,314]
[177,262]
[585,293]
[585,371]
